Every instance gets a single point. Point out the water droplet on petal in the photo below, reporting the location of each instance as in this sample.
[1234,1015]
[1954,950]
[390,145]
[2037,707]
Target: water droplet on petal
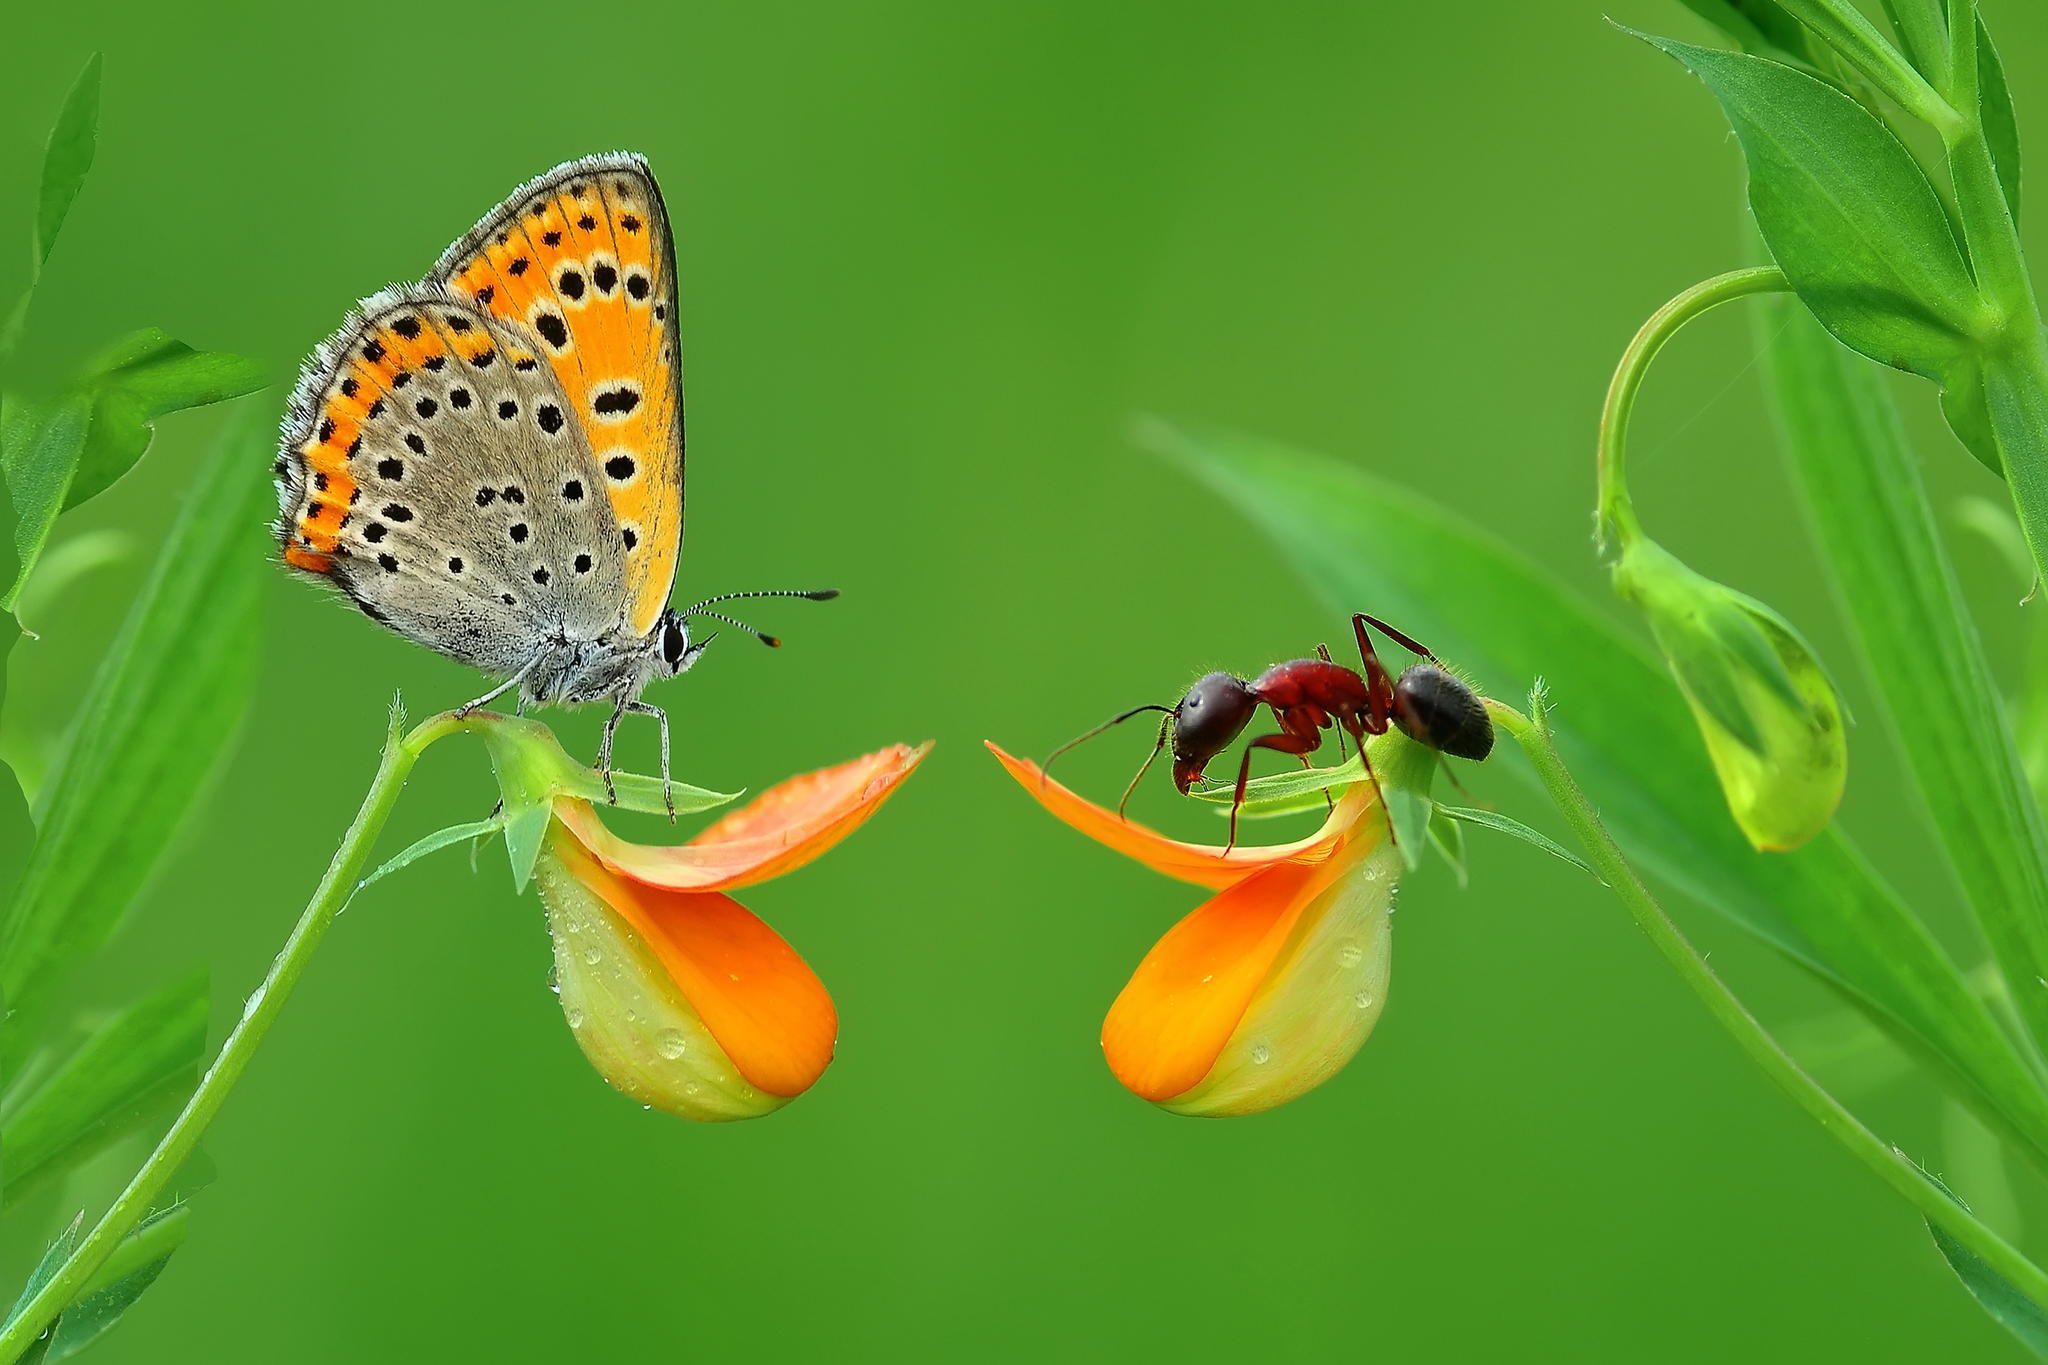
[592,954]
[1261,1054]
[1350,955]
[672,1044]
[1363,1000]
[574,1015]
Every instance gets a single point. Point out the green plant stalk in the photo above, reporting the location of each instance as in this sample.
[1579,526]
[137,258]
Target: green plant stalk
[1890,1165]
[1615,511]
[1859,43]
[134,1202]
[1868,509]
[2014,362]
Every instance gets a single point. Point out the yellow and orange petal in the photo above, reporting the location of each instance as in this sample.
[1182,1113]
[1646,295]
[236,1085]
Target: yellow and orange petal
[1209,865]
[782,829]
[682,1000]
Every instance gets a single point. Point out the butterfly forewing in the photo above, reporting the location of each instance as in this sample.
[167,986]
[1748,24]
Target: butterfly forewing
[581,260]
[423,472]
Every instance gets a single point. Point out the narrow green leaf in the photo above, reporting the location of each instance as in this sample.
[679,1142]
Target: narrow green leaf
[58,1252]
[1757,26]
[147,1052]
[141,378]
[1447,837]
[1868,506]
[1501,824]
[131,773]
[432,843]
[2001,122]
[1998,1296]
[1367,545]
[40,448]
[1923,30]
[132,1268]
[68,156]
[1847,212]
[1283,786]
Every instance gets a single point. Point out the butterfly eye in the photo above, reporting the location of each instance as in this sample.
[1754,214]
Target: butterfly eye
[675,642]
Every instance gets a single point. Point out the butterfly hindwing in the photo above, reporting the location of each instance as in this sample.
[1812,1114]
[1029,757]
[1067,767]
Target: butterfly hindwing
[422,472]
[581,259]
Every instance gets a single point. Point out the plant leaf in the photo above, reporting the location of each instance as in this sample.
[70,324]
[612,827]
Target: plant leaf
[1997,1295]
[132,1268]
[1847,212]
[1501,824]
[131,773]
[68,156]
[2000,121]
[1868,507]
[141,378]
[58,1252]
[148,1051]
[1757,26]
[1365,544]
[40,448]
[431,843]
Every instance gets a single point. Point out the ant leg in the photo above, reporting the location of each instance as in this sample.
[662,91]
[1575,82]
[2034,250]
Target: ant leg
[668,791]
[1359,621]
[1379,792]
[1379,687]
[1165,725]
[1284,743]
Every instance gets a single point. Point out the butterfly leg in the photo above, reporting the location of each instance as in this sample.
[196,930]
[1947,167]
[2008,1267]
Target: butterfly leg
[604,750]
[668,791]
[500,690]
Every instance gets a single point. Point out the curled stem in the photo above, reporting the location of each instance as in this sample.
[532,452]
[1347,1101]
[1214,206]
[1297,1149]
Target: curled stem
[1892,1166]
[179,1140]
[1615,511]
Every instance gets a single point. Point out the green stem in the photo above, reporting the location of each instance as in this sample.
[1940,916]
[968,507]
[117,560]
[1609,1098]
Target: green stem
[130,1206]
[1844,28]
[1889,1164]
[1615,510]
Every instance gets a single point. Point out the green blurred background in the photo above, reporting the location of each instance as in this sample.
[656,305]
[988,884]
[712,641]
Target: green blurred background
[933,258]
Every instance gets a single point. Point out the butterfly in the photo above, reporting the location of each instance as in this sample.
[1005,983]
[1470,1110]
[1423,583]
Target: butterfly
[490,462]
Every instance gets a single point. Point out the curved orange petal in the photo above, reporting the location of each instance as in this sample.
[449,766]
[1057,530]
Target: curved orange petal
[1203,864]
[761,1002]
[1180,1007]
[781,829]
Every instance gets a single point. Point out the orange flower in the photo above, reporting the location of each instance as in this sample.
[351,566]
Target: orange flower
[1269,987]
[679,996]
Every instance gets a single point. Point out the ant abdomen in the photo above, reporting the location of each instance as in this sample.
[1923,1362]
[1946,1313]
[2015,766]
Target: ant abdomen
[1435,709]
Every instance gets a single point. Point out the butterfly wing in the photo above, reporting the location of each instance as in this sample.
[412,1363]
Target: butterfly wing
[581,259]
[432,469]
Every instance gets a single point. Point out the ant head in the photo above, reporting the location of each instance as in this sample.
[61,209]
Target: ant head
[1208,720]
[1435,709]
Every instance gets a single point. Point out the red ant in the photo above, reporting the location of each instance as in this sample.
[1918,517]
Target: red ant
[1308,696]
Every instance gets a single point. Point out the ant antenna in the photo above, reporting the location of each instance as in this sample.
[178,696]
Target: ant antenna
[773,642]
[1045,768]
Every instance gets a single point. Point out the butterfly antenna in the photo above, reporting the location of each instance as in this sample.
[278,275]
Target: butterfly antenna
[773,642]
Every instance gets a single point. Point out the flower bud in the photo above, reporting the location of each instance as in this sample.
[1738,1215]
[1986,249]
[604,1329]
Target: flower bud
[1763,703]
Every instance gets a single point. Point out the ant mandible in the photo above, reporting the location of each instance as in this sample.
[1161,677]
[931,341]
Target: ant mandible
[1308,696]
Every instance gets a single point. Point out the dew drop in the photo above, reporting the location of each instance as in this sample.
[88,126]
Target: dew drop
[574,1015]
[592,954]
[1363,1000]
[671,1044]
[252,1004]
[1261,1054]
[1350,955]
